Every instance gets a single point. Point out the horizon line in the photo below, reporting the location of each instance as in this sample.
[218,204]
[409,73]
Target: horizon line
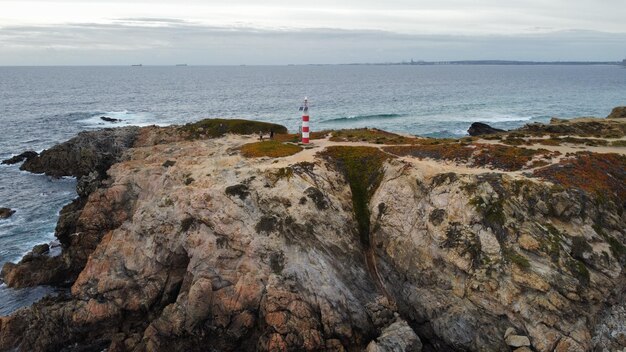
[485,62]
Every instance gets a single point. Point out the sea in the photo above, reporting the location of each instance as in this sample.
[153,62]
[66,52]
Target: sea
[42,106]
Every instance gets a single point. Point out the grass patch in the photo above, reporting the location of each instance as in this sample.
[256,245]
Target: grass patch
[213,128]
[362,168]
[620,143]
[273,149]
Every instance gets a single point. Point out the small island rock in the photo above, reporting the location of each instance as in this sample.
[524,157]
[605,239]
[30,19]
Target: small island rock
[618,113]
[479,128]
[6,213]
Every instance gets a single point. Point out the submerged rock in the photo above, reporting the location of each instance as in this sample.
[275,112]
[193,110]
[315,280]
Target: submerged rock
[479,128]
[6,213]
[109,119]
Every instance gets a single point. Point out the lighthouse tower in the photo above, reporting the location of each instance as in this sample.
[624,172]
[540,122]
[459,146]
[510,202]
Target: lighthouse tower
[305,121]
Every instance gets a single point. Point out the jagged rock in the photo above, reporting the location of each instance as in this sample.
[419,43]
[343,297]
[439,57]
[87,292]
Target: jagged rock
[381,311]
[479,129]
[618,113]
[6,213]
[34,270]
[509,332]
[89,151]
[396,337]
[583,127]
[610,332]
[517,341]
[19,158]
[234,260]
[567,344]
[41,249]
[88,184]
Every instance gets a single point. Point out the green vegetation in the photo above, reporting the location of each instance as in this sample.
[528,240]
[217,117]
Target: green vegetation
[492,212]
[553,243]
[511,256]
[213,128]
[273,149]
[363,169]
[617,248]
[284,172]
[620,143]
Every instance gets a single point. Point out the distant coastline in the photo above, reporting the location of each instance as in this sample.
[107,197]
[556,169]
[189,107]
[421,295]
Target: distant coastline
[497,62]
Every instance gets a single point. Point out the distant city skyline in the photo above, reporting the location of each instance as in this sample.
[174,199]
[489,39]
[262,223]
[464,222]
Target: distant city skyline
[163,32]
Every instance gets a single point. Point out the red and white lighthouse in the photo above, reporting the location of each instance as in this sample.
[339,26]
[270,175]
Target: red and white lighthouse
[305,121]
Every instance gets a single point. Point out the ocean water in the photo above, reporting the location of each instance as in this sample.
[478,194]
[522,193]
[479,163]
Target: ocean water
[41,106]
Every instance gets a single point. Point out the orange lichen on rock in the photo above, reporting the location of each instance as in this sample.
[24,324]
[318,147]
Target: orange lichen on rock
[447,151]
[602,174]
[478,155]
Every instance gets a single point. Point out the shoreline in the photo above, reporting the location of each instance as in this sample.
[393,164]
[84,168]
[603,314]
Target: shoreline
[147,217]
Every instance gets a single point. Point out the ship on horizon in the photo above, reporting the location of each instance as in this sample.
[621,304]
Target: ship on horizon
[136,65]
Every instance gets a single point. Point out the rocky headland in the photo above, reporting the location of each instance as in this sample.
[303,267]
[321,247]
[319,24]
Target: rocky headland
[200,237]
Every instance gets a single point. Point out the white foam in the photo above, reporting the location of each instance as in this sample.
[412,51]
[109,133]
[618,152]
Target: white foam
[127,118]
[504,118]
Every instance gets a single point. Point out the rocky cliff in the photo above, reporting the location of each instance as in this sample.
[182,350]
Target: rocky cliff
[190,239]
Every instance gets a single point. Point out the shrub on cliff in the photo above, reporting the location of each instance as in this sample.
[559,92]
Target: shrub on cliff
[213,128]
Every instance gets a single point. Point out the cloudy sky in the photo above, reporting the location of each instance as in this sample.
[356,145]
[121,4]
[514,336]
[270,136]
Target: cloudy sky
[116,32]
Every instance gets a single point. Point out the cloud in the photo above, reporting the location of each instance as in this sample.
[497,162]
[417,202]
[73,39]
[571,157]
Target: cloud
[152,40]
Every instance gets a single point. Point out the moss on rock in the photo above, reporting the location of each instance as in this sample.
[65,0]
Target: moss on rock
[363,169]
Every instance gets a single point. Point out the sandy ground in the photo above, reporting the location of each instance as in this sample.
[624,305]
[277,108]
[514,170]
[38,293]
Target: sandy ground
[428,166]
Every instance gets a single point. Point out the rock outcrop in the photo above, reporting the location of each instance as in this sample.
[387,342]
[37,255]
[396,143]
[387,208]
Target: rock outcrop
[89,151]
[341,247]
[479,129]
[618,113]
[6,213]
[19,158]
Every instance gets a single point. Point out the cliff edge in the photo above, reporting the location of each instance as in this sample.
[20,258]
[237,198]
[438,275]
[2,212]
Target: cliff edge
[200,237]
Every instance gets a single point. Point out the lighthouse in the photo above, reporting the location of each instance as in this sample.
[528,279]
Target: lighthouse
[305,121]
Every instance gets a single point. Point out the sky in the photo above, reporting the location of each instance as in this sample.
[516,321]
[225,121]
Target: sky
[166,32]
